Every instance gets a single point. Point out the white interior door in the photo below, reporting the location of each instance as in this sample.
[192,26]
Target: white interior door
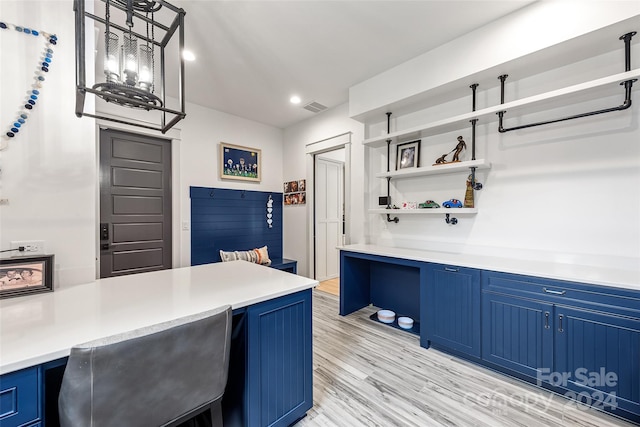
[329,206]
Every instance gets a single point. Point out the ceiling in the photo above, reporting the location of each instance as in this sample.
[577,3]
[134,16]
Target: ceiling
[251,56]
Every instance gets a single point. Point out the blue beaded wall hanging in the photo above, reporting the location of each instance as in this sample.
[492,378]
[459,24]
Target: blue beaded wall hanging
[44,63]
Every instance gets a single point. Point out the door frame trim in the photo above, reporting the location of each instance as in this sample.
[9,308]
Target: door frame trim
[174,136]
[311,150]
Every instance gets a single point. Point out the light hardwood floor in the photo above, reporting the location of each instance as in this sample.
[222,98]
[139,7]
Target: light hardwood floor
[331,286]
[369,374]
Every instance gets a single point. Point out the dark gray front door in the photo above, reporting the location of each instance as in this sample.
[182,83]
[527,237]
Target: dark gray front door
[135,203]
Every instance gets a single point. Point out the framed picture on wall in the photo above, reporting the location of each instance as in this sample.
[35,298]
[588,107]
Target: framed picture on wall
[26,275]
[240,163]
[408,155]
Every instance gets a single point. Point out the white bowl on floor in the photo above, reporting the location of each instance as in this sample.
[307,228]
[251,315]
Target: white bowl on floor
[405,322]
[386,316]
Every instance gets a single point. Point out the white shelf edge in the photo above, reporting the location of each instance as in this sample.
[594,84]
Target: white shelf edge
[422,130]
[427,211]
[436,170]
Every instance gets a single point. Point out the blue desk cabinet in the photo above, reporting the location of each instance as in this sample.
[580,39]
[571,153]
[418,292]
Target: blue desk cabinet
[385,282]
[582,341]
[279,360]
[20,397]
[601,351]
[452,301]
[532,328]
[517,333]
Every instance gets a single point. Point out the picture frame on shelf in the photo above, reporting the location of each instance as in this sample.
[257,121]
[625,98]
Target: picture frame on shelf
[26,275]
[240,163]
[408,155]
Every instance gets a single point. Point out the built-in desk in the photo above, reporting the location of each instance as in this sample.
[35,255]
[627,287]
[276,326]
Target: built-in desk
[38,331]
[531,319]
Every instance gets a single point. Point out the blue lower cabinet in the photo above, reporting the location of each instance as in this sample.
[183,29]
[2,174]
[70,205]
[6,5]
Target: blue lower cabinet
[452,301]
[19,397]
[598,359]
[517,333]
[279,351]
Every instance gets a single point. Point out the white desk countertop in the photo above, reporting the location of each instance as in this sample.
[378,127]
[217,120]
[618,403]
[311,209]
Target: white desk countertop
[614,277]
[39,328]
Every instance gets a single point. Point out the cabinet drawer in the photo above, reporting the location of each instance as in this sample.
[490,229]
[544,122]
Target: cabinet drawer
[624,302]
[19,393]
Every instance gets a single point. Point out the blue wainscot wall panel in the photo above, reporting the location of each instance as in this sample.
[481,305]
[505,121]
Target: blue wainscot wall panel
[233,220]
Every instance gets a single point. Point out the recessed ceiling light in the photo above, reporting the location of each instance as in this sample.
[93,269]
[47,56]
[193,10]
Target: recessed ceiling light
[188,55]
[295,99]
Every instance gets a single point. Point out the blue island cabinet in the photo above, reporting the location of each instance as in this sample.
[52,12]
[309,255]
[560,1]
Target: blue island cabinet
[19,398]
[452,302]
[279,361]
[270,373]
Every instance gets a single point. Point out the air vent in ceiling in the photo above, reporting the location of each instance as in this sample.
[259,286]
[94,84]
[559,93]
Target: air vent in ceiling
[314,107]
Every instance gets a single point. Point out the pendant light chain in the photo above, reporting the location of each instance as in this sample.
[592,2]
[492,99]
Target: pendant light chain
[153,51]
[107,16]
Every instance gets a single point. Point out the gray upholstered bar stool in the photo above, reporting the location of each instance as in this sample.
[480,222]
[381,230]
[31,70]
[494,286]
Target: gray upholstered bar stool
[161,375]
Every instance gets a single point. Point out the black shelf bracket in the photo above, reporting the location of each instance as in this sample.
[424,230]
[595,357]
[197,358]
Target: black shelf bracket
[473,121]
[389,219]
[474,183]
[450,220]
[388,141]
[628,84]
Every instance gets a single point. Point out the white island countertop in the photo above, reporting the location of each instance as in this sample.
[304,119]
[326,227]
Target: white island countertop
[39,328]
[594,275]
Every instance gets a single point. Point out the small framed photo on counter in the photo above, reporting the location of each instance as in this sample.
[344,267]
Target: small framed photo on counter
[26,275]
[408,155]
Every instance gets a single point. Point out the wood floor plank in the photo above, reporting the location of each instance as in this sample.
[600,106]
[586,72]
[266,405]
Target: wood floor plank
[331,286]
[368,374]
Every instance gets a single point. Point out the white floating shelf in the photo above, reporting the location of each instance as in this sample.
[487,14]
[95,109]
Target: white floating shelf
[436,170]
[489,114]
[427,211]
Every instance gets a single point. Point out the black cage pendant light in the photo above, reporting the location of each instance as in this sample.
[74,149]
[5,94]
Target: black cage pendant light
[138,35]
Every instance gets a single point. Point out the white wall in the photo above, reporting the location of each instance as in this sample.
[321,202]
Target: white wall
[565,192]
[49,169]
[202,131]
[325,125]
